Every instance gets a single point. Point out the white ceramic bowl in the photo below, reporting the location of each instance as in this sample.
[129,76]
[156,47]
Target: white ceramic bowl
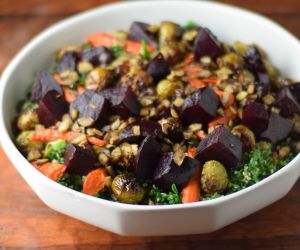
[229,24]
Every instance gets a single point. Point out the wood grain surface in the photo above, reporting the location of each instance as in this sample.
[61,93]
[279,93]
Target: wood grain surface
[26,223]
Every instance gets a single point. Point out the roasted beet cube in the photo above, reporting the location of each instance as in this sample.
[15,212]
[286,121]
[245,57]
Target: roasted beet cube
[68,61]
[43,83]
[79,160]
[221,145]
[123,101]
[206,44]
[51,108]
[158,67]
[278,128]
[147,158]
[295,90]
[168,172]
[255,117]
[139,31]
[200,107]
[98,56]
[255,63]
[91,105]
[137,131]
[287,103]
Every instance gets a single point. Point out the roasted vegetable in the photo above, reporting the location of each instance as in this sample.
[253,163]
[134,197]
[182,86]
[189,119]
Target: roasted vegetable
[221,145]
[214,178]
[126,189]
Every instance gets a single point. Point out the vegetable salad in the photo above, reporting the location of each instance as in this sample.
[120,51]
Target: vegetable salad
[159,114]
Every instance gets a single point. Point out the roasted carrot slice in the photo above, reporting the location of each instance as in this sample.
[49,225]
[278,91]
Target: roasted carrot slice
[191,192]
[69,94]
[94,181]
[211,80]
[48,134]
[107,40]
[218,121]
[192,69]
[80,89]
[192,152]
[96,141]
[52,170]
[229,100]
[57,78]
[100,39]
[195,82]
[188,59]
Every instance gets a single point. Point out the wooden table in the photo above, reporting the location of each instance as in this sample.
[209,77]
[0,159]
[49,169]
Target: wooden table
[25,222]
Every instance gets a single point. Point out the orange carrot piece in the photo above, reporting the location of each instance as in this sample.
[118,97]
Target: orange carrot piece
[192,69]
[57,78]
[48,134]
[218,121]
[135,47]
[107,40]
[96,141]
[212,80]
[191,192]
[192,152]
[80,89]
[194,82]
[230,100]
[229,114]
[94,182]
[100,39]
[52,170]
[188,59]
[69,94]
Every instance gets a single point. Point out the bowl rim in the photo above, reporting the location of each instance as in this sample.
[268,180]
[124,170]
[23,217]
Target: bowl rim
[11,149]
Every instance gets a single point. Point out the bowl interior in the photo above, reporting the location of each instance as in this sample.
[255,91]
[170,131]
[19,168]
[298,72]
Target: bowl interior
[229,24]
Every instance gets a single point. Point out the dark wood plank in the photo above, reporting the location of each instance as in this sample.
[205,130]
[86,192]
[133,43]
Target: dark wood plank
[25,222]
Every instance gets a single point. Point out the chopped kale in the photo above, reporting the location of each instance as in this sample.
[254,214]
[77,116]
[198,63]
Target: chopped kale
[159,197]
[190,26]
[116,50]
[73,181]
[55,150]
[145,53]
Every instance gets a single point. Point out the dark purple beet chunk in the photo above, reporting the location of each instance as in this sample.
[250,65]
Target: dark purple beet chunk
[278,128]
[43,83]
[51,108]
[255,63]
[146,128]
[123,101]
[91,105]
[206,44]
[68,61]
[168,172]
[158,67]
[256,117]
[220,145]
[79,160]
[287,103]
[200,107]
[98,56]
[147,158]
[139,31]
[295,90]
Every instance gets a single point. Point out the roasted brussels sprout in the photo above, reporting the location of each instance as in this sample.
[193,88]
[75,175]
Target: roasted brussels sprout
[126,189]
[214,177]
[27,119]
[246,136]
[25,143]
[168,32]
